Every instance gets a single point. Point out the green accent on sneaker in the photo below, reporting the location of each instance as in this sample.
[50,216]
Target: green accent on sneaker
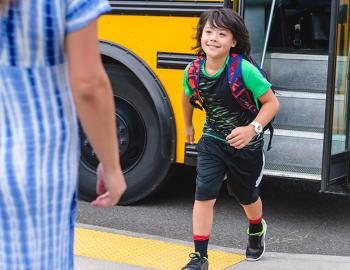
[258,233]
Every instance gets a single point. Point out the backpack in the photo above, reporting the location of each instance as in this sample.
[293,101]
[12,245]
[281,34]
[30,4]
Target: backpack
[239,91]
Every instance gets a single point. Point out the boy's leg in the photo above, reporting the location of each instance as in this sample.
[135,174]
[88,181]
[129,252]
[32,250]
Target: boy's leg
[210,175]
[256,232]
[203,213]
[245,174]
[253,211]
[254,214]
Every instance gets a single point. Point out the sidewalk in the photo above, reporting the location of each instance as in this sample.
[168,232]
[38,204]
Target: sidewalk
[116,255]
[84,263]
[271,261]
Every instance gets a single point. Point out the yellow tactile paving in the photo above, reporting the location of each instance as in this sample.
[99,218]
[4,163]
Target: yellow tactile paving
[153,254]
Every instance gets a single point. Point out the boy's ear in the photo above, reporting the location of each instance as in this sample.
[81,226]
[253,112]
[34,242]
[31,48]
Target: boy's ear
[234,43]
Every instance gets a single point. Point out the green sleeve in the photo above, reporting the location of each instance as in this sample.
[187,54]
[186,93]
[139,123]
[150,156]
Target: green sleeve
[185,84]
[254,80]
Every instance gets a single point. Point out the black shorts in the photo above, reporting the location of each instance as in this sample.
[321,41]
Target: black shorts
[244,169]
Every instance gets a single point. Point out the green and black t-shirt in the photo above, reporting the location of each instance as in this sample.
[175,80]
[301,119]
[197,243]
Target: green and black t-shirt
[222,110]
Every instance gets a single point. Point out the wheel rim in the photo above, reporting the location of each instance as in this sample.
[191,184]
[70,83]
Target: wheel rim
[131,137]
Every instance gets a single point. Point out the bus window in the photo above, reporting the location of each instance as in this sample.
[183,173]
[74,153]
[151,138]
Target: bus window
[301,24]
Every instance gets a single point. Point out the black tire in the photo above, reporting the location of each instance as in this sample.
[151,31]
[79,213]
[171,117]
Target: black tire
[139,134]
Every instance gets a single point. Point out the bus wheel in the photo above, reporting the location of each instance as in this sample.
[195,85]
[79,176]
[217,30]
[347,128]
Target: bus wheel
[138,129]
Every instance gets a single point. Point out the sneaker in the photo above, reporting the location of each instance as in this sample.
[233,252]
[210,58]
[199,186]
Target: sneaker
[197,262]
[256,244]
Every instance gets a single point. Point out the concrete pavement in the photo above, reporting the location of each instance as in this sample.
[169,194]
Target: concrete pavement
[271,260]
[84,263]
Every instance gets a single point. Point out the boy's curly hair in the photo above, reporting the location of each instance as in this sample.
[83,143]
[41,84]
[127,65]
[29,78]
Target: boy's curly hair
[226,19]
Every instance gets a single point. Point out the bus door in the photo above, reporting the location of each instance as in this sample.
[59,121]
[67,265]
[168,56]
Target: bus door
[254,11]
[336,161]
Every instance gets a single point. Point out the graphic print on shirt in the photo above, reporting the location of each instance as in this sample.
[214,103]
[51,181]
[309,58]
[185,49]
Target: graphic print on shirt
[222,110]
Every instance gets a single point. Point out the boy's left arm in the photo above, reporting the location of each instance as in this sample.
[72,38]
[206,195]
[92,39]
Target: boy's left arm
[241,136]
[269,108]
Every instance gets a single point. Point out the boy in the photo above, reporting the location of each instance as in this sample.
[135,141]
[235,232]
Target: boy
[232,140]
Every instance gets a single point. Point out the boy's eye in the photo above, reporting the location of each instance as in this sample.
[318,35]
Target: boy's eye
[222,34]
[208,31]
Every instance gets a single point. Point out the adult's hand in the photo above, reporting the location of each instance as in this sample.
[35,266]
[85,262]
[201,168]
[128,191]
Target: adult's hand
[110,187]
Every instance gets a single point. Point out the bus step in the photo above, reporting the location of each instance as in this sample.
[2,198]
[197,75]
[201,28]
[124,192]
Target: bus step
[294,172]
[301,107]
[309,71]
[295,146]
[339,189]
[191,154]
[301,131]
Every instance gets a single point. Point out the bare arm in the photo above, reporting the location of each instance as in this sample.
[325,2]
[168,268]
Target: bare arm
[269,108]
[241,136]
[93,98]
[188,113]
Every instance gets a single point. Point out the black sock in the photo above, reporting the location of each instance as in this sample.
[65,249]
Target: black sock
[201,246]
[255,228]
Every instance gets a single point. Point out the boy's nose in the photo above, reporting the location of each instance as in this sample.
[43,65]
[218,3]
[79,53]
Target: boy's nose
[213,38]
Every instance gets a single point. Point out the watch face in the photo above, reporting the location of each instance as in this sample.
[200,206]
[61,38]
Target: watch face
[259,128]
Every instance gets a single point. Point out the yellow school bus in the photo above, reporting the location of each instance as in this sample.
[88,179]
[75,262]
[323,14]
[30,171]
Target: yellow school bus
[145,46]
[303,45]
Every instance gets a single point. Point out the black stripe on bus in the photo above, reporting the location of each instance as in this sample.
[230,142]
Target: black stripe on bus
[174,60]
[162,8]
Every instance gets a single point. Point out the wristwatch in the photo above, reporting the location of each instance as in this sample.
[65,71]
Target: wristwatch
[257,126]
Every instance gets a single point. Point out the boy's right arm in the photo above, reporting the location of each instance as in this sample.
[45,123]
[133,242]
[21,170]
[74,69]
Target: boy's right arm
[188,112]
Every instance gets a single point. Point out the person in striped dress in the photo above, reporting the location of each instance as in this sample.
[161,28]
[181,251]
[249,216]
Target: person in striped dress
[50,72]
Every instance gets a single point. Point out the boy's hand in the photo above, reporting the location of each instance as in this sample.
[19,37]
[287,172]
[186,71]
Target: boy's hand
[189,134]
[241,136]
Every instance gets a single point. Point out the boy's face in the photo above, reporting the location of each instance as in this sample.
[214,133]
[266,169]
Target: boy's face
[217,42]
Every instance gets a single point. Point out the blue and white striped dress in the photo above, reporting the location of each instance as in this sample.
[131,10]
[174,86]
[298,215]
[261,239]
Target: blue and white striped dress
[39,145]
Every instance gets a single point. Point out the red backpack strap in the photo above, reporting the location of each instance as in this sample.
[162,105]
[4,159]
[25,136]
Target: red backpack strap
[193,75]
[238,88]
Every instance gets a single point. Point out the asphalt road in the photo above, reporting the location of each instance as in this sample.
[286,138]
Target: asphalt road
[300,219]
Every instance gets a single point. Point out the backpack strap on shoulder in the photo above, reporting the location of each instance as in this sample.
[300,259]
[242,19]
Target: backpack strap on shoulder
[193,76]
[238,88]
[234,67]
[193,73]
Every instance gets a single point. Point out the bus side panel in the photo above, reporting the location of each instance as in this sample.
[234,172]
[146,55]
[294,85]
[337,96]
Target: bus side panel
[147,35]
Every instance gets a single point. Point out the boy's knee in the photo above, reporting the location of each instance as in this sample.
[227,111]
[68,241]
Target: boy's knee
[251,202]
[206,191]
[205,203]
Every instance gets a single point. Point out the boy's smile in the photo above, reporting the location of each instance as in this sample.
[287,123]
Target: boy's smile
[216,42]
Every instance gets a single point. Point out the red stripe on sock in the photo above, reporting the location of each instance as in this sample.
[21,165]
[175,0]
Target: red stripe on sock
[255,221]
[200,237]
